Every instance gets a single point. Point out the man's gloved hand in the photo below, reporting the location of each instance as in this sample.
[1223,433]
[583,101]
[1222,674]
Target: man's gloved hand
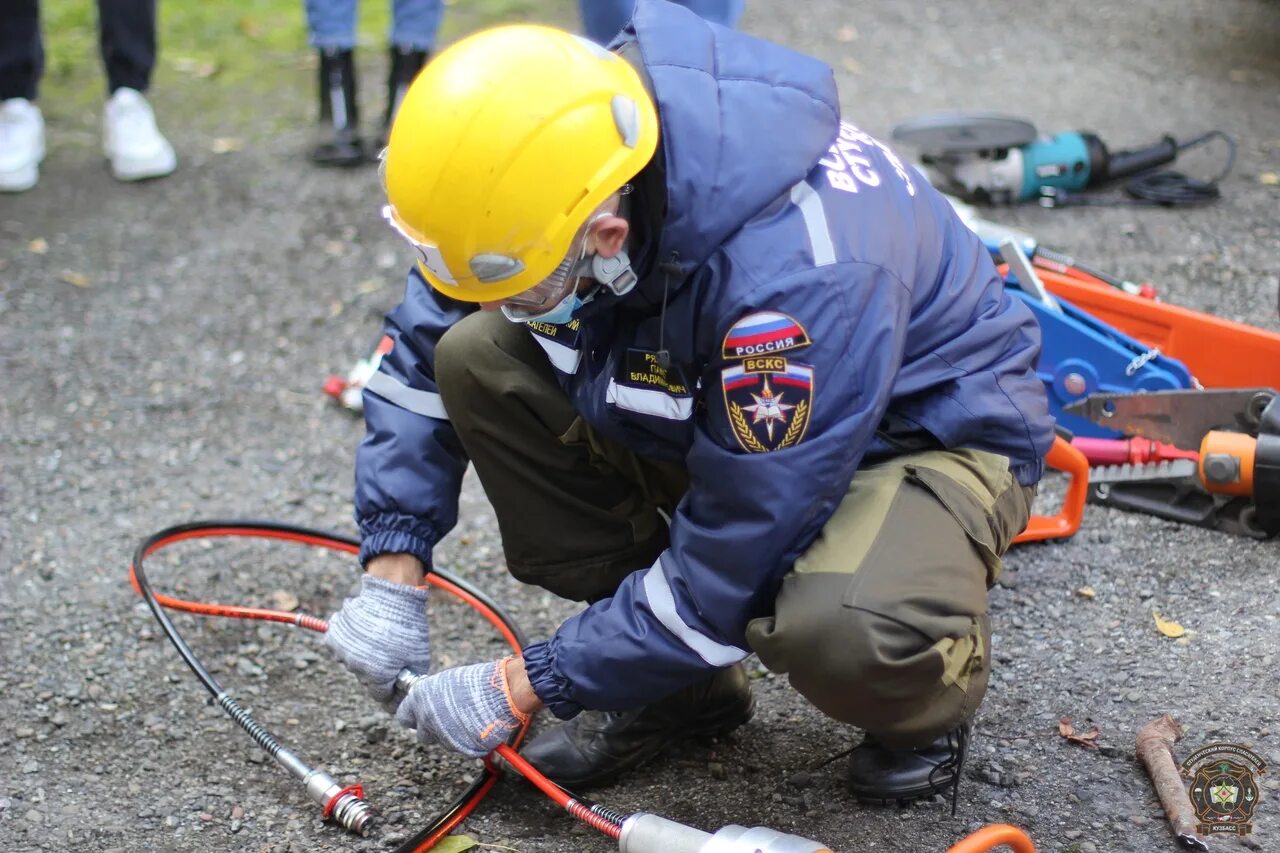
[380,632]
[468,708]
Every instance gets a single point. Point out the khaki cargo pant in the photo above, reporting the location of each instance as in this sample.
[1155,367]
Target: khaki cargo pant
[881,624]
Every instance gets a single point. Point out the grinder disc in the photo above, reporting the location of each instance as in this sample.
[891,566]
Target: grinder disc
[964,132]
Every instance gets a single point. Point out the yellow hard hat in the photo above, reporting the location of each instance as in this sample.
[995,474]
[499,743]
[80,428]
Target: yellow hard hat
[503,146]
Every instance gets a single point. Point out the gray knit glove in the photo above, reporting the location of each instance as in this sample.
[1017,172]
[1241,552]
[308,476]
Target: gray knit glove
[467,708]
[380,632]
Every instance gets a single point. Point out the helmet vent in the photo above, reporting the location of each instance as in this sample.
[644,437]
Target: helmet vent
[493,268]
[627,119]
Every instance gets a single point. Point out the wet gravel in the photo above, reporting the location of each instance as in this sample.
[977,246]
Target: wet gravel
[183,382]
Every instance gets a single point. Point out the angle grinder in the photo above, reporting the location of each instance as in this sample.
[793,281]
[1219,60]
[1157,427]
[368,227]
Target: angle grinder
[997,159]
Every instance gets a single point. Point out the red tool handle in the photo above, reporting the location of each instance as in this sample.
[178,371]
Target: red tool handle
[1063,457]
[1128,451]
[993,836]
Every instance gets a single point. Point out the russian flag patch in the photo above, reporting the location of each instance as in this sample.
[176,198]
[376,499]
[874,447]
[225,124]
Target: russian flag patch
[763,333]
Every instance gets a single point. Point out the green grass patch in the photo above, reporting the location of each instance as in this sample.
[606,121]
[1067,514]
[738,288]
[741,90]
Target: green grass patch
[237,67]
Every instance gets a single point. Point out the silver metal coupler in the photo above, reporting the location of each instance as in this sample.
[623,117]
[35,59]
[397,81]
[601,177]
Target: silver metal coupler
[647,833]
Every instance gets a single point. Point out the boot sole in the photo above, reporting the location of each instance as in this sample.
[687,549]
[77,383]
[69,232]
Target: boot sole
[903,799]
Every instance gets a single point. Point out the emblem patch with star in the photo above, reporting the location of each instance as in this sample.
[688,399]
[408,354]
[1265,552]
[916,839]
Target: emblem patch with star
[769,401]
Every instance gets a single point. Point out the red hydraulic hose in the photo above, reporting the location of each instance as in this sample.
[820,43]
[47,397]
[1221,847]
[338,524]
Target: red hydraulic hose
[444,823]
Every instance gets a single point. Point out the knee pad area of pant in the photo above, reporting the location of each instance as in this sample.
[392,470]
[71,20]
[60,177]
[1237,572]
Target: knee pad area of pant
[857,665]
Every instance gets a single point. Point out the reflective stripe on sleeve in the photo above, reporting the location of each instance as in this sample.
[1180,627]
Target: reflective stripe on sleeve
[663,605]
[804,197]
[426,403]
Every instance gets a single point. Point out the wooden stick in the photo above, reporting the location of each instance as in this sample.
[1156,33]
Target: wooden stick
[1155,749]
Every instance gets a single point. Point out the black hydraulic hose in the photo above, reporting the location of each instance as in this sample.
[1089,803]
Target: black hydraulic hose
[350,810]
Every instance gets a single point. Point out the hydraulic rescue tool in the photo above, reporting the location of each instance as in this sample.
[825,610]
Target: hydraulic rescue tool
[998,159]
[636,833]
[1079,354]
[1233,485]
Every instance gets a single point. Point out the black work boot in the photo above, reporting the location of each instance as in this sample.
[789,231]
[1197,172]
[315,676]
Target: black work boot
[338,111]
[595,747]
[406,62]
[882,775]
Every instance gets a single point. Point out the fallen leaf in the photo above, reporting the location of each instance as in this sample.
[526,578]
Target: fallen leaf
[336,308]
[455,844]
[284,600]
[197,67]
[1088,740]
[847,34]
[74,278]
[851,65]
[1168,627]
[1270,179]
[249,28]
[38,246]
[334,248]
[369,285]
[1087,592]
[226,144]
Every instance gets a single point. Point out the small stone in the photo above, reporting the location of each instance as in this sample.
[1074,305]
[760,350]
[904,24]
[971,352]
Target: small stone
[1073,834]
[803,779]
[237,813]
[716,769]
[33,816]
[31,767]
[205,816]
[171,821]
[1139,820]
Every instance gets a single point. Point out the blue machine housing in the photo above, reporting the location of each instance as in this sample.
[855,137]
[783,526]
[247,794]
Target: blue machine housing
[1060,161]
[1081,355]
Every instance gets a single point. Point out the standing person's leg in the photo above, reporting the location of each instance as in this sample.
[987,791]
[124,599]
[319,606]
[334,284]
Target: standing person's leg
[127,34]
[415,25]
[331,25]
[130,139]
[577,513]
[883,621]
[603,19]
[21,125]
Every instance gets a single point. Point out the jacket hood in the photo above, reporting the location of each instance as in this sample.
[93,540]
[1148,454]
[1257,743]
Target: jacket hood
[742,121]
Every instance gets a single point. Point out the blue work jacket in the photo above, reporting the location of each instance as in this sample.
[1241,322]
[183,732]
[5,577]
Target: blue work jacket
[824,307]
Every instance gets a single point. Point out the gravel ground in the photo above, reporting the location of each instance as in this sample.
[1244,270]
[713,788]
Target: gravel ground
[182,382]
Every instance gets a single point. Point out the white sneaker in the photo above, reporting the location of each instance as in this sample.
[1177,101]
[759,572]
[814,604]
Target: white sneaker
[21,145]
[131,140]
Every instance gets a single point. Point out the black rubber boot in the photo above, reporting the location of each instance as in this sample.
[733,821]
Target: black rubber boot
[881,775]
[406,62]
[338,111]
[596,747]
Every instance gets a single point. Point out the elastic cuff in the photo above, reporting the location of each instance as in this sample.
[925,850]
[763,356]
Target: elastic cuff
[550,686]
[392,533]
